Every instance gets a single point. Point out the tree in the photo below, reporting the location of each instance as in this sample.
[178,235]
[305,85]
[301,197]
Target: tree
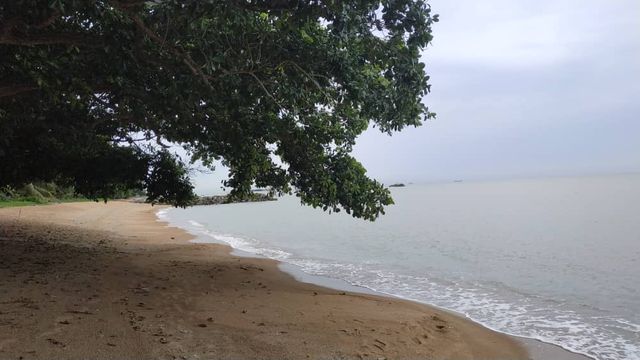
[91,93]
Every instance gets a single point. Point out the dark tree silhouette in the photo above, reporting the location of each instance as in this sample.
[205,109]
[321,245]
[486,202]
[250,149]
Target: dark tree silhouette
[91,93]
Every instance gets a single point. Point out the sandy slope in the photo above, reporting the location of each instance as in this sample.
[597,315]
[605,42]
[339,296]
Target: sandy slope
[89,280]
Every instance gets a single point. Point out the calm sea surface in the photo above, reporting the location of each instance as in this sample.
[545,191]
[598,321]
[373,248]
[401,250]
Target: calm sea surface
[552,259]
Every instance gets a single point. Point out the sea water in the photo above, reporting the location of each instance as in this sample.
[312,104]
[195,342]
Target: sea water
[552,259]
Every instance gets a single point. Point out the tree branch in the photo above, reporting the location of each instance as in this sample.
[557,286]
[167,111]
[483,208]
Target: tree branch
[264,88]
[8,36]
[130,3]
[49,20]
[9,25]
[311,78]
[267,5]
[185,57]
[49,39]
[12,90]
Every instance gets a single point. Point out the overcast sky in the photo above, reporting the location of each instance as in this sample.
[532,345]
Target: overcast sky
[522,88]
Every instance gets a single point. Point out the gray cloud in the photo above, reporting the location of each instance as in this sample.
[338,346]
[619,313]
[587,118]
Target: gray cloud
[524,88]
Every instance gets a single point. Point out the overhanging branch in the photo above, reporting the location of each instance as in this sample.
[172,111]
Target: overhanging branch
[49,39]
[12,90]
[186,59]
[267,5]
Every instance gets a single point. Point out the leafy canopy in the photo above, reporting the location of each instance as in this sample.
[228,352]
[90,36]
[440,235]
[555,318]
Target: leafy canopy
[92,91]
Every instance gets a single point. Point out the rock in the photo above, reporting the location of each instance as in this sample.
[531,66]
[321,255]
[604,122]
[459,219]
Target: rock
[223,199]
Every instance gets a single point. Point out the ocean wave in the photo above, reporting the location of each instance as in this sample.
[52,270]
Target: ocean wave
[245,244]
[162,214]
[519,315]
[490,304]
[196,224]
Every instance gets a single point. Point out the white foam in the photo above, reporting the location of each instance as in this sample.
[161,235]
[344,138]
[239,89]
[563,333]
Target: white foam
[245,244]
[248,245]
[520,316]
[500,309]
[162,214]
[196,224]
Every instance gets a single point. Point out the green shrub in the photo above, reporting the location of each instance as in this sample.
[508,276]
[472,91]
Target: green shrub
[30,191]
[6,193]
[43,191]
[37,193]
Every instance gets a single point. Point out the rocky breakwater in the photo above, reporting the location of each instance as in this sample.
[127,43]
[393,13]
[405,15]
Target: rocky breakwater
[224,199]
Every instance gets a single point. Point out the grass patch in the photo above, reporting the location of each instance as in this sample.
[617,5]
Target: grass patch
[31,202]
[13,203]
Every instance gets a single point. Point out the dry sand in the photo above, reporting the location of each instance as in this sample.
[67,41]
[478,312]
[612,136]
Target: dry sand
[108,281]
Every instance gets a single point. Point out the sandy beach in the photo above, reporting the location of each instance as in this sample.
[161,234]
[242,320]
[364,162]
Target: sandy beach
[109,281]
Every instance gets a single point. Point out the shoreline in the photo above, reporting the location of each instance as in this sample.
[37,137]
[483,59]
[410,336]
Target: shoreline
[109,281]
[537,349]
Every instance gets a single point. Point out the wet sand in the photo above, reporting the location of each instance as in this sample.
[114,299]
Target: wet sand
[108,281]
